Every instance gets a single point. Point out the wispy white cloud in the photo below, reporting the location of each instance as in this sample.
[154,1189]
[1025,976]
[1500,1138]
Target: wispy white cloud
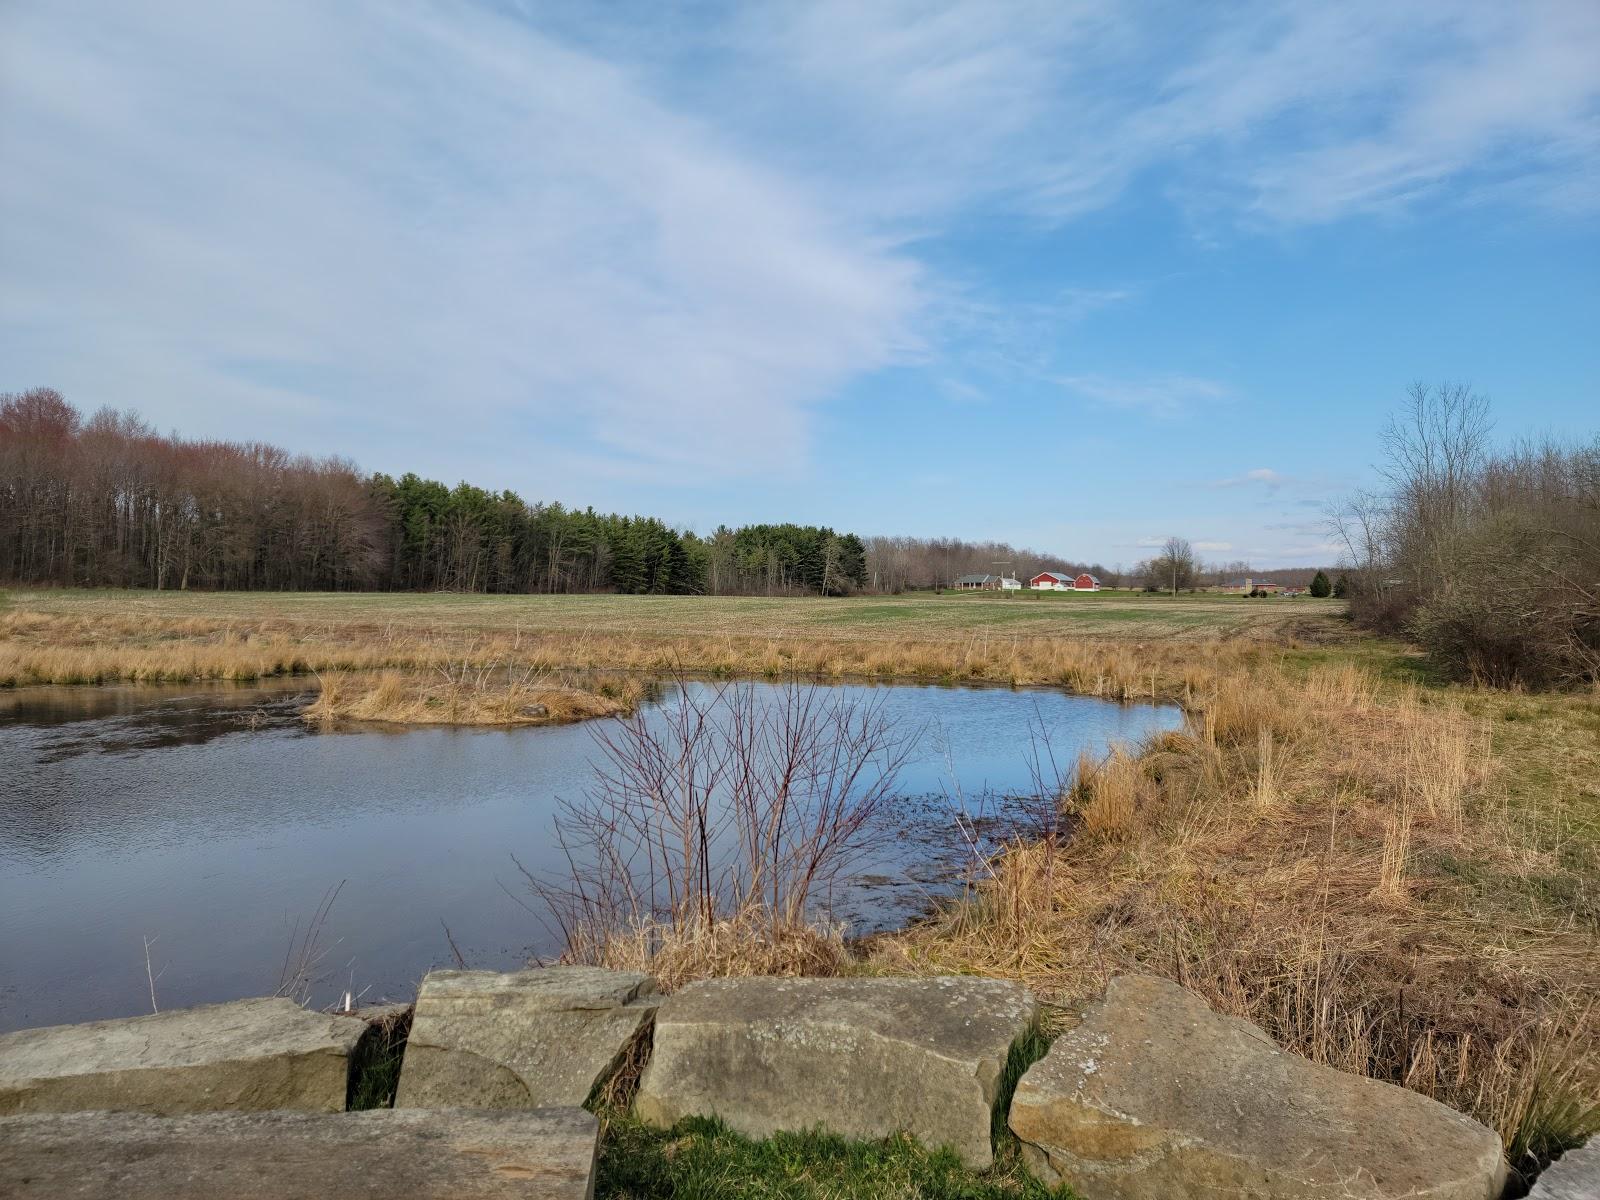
[1284,111]
[414,218]
[1264,476]
[1164,396]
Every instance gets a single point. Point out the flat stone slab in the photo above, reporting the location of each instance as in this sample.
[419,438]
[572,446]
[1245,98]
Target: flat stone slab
[247,1055]
[1155,1096]
[383,1154]
[862,1057]
[528,1039]
[1573,1176]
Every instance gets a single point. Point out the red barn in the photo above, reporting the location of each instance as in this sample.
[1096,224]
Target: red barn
[1053,581]
[1086,583]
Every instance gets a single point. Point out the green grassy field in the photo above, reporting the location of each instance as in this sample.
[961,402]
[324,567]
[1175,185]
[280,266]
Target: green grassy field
[1116,615]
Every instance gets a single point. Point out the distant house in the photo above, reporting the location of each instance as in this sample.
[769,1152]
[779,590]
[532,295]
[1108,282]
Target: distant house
[1251,587]
[1055,581]
[975,583]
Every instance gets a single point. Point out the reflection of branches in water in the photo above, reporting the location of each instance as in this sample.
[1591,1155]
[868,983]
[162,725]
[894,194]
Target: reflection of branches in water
[305,952]
[747,800]
[1038,816]
[1051,781]
[965,819]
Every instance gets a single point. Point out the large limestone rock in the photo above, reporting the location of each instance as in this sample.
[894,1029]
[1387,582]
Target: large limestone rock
[529,1039]
[383,1154]
[1154,1096]
[862,1057]
[1573,1176]
[248,1055]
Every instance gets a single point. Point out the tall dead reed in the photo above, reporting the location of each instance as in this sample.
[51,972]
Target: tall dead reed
[461,693]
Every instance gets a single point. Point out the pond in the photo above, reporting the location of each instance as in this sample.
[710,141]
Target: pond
[209,822]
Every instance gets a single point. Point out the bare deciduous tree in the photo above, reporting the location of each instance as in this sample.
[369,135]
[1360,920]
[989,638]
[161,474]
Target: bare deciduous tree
[1436,447]
[1359,525]
[1173,569]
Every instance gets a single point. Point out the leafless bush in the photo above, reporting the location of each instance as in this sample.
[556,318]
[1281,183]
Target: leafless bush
[1490,559]
[746,800]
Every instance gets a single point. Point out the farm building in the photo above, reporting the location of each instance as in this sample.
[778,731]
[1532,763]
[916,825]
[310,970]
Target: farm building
[1246,587]
[1055,581]
[1008,584]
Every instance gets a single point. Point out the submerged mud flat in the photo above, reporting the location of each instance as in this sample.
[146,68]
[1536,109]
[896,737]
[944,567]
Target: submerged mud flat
[210,822]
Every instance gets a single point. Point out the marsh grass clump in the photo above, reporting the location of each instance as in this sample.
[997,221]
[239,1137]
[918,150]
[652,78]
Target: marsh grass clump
[750,942]
[459,694]
[1105,794]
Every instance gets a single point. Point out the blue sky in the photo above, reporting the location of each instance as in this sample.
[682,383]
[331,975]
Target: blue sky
[1073,275]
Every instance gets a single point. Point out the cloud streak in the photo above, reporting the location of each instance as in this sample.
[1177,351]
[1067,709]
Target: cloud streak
[1165,396]
[1282,112]
[1264,476]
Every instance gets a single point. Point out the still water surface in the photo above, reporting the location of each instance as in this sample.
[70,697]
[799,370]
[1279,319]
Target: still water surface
[211,820]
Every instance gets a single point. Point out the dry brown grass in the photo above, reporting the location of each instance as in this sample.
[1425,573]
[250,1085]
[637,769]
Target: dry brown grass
[465,696]
[1122,616]
[751,943]
[99,648]
[1295,856]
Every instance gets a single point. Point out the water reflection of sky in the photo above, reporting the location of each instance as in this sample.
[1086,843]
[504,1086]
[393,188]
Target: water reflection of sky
[212,820]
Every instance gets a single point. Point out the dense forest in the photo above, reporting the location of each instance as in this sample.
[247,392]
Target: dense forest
[108,501]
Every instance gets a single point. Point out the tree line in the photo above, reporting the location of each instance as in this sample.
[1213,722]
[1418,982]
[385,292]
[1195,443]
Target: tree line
[107,501]
[1176,568]
[1488,556]
[900,564]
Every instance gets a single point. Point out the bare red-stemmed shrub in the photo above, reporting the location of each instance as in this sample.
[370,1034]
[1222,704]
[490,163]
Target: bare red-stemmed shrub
[741,804]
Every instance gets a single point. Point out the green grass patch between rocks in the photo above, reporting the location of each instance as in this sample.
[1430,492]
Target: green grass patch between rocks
[375,1065]
[705,1160]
